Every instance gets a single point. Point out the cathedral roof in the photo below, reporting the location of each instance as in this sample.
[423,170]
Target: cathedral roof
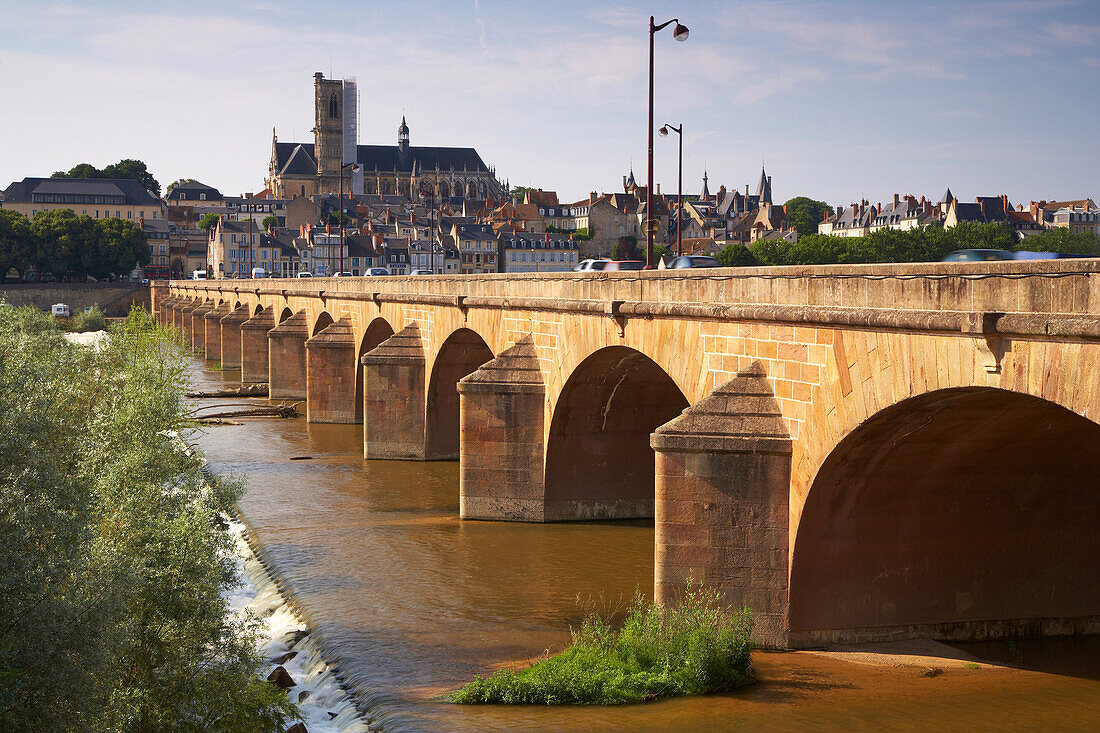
[391,158]
[300,162]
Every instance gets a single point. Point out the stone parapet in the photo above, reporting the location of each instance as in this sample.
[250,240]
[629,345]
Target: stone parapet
[722,488]
[394,397]
[254,346]
[287,358]
[231,337]
[330,370]
[501,444]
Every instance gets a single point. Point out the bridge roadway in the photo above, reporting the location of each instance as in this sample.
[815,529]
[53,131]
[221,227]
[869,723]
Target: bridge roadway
[855,452]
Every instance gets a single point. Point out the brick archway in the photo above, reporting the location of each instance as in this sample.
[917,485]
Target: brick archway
[599,463]
[959,513]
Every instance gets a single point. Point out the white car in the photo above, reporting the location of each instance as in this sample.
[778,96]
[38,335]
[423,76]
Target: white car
[304,274]
[342,274]
[421,272]
[198,275]
[60,310]
[590,265]
[376,271]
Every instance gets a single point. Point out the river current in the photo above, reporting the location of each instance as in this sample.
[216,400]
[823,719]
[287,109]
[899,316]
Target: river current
[414,602]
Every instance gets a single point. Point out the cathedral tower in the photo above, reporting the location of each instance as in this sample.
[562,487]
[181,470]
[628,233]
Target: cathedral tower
[328,133]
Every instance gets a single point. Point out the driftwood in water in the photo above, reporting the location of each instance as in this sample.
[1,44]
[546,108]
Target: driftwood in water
[245,390]
[215,421]
[247,410]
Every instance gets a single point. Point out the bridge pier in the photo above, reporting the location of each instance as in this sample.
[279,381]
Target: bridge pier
[394,397]
[198,326]
[501,450]
[287,358]
[254,346]
[231,337]
[330,374]
[213,328]
[722,502]
[163,312]
[182,306]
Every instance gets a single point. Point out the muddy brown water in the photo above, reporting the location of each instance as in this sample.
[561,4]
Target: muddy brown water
[415,602]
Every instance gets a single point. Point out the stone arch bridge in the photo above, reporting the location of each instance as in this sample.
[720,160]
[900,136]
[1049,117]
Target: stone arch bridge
[855,452]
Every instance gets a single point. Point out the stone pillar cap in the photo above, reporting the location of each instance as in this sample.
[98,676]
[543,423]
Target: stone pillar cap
[517,369]
[403,347]
[338,335]
[296,325]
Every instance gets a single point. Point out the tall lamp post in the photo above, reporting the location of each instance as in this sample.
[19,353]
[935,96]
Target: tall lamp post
[663,132]
[680,33]
[340,206]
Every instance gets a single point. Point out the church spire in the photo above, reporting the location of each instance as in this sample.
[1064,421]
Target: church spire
[403,136]
[764,188]
[705,195]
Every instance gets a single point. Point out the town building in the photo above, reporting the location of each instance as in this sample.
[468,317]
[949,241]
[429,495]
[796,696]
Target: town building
[477,248]
[99,198]
[236,248]
[849,221]
[195,195]
[529,252]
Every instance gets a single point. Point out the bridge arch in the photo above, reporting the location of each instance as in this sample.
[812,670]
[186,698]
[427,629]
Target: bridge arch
[258,309]
[286,313]
[324,320]
[377,331]
[959,513]
[599,463]
[461,353]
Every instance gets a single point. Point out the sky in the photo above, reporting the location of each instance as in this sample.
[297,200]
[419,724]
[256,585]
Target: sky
[840,100]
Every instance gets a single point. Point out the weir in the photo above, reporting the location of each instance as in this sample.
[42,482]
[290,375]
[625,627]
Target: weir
[742,409]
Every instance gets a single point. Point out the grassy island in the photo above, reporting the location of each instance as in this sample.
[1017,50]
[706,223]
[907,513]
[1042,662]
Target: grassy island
[693,648]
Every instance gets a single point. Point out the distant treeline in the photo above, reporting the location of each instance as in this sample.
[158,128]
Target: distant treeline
[62,244]
[927,244]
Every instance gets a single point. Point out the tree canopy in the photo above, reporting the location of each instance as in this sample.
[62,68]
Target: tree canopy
[805,214]
[177,182]
[112,570]
[270,222]
[125,168]
[61,243]
[926,244]
[209,221]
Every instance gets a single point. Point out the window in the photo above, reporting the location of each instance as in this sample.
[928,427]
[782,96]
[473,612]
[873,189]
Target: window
[202,197]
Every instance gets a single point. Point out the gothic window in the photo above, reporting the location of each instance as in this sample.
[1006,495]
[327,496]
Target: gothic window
[333,107]
[444,189]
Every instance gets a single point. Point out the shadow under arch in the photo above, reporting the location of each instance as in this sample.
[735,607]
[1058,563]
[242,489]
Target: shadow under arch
[324,320]
[462,353]
[284,314]
[258,309]
[599,463]
[378,331]
[963,513]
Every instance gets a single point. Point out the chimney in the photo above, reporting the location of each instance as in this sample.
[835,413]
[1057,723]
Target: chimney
[746,189]
[896,200]
[855,209]
[592,196]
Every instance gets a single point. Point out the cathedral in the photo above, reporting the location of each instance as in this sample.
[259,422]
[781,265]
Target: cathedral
[304,169]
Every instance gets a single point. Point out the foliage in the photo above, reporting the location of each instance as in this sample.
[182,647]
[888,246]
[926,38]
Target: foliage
[625,249]
[177,182]
[693,648]
[737,255]
[270,222]
[60,243]
[125,168]
[660,251]
[93,320]
[805,214]
[111,569]
[209,221]
[583,234]
[519,191]
[926,244]
[335,217]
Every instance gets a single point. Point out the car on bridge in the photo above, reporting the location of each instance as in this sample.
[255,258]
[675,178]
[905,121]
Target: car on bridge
[377,271]
[979,255]
[692,261]
[619,265]
[591,265]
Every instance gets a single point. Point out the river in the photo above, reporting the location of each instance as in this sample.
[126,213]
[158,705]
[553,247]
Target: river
[415,601]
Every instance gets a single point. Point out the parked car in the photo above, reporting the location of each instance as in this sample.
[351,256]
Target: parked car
[259,272]
[304,274]
[60,310]
[685,261]
[421,272]
[342,274]
[616,265]
[198,275]
[978,255]
[589,265]
[377,271]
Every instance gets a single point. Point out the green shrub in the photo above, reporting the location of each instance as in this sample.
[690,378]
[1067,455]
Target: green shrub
[693,648]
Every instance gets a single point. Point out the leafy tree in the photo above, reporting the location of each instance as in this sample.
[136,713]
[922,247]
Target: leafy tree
[519,191]
[270,222]
[111,568]
[737,255]
[125,168]
[335,217]
[208,221]
[177,182]
[122,247]
[805,214]
[16,242]
[625,249]
[63,241]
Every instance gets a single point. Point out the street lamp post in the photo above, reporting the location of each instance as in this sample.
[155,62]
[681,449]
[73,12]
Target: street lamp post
[679,184]
[680,33]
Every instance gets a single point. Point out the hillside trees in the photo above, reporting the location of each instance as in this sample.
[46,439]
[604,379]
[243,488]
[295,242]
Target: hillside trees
[125,168]
[61,243]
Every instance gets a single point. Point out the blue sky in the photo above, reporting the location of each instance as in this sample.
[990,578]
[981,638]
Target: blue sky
[842,100]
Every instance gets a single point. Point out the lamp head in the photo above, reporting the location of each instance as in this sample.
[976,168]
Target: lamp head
[680,32]
[663,132]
